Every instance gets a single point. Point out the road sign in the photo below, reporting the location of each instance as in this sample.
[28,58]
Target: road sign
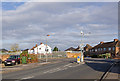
[78,59]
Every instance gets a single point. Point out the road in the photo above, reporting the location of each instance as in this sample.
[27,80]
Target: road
[64,69]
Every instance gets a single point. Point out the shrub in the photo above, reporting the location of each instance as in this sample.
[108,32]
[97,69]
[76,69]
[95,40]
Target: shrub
[94,56]
[100,56]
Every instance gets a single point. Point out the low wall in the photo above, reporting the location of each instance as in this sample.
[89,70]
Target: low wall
[73,55]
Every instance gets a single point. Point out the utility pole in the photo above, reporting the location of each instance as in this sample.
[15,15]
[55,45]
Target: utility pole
[81,46]
[46,49]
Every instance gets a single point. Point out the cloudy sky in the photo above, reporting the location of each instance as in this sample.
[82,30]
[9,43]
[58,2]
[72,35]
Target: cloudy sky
[28,23]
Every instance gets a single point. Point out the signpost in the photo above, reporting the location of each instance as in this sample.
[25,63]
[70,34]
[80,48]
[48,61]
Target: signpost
[78,59]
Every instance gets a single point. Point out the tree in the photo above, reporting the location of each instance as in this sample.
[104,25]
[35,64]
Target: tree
[15,47]
[55,49]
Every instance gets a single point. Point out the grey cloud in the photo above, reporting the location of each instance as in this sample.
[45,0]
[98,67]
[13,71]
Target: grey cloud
[31,22]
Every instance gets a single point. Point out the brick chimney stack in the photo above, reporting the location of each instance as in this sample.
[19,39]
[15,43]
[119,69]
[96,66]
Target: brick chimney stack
[115,40]
[101,42]
[36,45]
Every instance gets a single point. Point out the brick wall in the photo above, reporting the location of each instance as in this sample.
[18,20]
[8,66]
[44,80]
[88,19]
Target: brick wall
[73,55]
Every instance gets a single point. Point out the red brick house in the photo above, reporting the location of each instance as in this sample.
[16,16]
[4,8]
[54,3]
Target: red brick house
[112,47]
[86,49]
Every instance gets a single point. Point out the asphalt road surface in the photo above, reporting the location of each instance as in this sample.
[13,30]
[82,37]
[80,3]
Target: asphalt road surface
[64,69]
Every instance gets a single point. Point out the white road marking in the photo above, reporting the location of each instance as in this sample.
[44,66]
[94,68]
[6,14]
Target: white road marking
[76,65]
[52,70]
[27,77]
[67,64]
[64,68]
[17,80]
[61,68]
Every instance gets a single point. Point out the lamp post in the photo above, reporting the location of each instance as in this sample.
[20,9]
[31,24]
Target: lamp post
[81,46]
[46,48]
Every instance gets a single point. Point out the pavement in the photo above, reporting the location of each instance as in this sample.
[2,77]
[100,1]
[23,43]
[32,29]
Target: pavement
[114,72]
[8,69]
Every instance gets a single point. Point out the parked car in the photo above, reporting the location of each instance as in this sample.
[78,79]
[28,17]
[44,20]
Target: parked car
[12,60]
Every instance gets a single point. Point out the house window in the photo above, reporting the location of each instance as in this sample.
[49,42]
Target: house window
[113,48]
[104,49]
[101,49]
[95,49]
[39,48]
[98,49]
[46,49]
[92,50]
[109,49]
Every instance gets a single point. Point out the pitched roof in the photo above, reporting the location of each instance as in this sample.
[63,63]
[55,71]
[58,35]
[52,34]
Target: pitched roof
[88,46]
[77,49]
[70,49]
[106,44]
[3,50]
[25,49]
[35,45]
[32,48]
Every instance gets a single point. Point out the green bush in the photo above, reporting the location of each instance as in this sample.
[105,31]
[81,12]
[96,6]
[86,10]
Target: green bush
[100,56]
[107,55]
[24,53]
[104,55]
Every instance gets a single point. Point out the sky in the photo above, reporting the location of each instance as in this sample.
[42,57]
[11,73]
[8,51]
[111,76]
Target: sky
[28,23]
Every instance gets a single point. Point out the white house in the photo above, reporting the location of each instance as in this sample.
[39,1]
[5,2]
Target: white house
[40,49]
[31,51]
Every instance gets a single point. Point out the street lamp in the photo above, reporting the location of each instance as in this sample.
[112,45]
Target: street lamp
[81,46]
[46,47]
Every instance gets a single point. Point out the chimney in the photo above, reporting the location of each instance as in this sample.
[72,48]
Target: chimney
[36,45]
[32,48]
[101,42]
[41,43]
[115,40]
